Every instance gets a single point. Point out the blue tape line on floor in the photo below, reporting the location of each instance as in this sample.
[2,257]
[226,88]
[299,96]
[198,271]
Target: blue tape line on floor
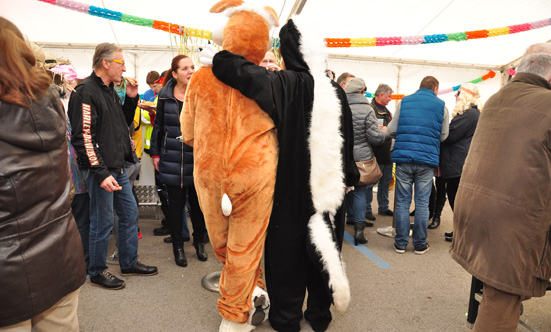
[367,253]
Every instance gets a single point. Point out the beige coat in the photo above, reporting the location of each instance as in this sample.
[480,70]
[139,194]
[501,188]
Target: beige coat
[502,215]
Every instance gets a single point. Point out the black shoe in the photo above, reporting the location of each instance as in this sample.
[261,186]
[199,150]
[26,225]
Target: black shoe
[369,216]
[387,213]
[422,250]
[359,236]
[139,269]
[200,250]
[107,280]
[368,224]
[435,222]
[398,249]
[448,234]
[161,231]
[449,238]
[179,255]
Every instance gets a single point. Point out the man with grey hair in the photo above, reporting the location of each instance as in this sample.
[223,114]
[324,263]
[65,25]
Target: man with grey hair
[502,224]
[538,48]
[344,78]
[383,96]
[101,138]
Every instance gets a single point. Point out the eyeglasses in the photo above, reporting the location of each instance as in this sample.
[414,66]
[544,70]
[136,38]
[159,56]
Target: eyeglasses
[118,61]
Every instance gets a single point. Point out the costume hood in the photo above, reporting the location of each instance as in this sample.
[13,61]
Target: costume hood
[247,32]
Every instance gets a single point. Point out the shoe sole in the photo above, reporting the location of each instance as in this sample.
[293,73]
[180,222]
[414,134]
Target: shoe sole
[109,288]
[421,252]
[400,251]
[139,274]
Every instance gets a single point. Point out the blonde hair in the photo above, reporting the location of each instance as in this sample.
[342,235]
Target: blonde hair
[468,96]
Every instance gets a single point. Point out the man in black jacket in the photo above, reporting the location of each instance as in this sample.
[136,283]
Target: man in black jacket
[101,138]
[383,96]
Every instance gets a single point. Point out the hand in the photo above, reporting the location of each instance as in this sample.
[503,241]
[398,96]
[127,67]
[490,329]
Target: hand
[146,107]
[156,161]
[110,184]
[206,55]
[273,67]
[131,87]
[349,189]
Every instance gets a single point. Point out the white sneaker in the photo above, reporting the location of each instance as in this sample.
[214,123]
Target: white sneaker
[260,307]
[229,326]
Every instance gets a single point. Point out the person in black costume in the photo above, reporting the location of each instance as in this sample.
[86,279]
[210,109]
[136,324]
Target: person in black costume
[315,166]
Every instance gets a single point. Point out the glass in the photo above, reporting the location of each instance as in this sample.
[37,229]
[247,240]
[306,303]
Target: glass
[118,61]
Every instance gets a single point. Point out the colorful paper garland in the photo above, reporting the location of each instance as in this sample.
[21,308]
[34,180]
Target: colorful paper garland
[490,74]
[330,42]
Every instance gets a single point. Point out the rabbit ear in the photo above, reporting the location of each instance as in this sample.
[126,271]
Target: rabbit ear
[273,15]
[225,4]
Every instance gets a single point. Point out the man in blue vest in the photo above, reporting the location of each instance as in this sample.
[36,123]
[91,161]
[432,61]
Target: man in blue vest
[420,123]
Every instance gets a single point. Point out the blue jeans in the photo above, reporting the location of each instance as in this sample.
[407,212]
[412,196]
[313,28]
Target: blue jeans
[406,176]
[101,222]
[355,207]
[382,190]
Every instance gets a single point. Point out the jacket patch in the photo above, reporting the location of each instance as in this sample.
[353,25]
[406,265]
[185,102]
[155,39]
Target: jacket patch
[87,136]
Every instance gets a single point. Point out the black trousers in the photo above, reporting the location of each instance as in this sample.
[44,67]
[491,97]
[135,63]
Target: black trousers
[447,186]
[161,191]
[175,215]
[80,207]
[290,272]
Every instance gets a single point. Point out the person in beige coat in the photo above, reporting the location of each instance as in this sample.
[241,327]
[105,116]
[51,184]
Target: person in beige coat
[502,217]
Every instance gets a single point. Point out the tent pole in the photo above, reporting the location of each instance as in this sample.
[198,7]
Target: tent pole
[398,79]
[297,8]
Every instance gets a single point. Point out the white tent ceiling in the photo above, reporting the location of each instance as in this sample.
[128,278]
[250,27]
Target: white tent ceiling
[44,22]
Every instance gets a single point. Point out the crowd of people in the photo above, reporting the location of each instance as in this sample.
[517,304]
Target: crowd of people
[53,191]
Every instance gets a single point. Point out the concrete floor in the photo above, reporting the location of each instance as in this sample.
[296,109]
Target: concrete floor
[390,292]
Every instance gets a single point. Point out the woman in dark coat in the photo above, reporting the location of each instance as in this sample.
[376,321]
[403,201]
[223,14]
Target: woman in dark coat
[366,135]
[173,159]
[454,149]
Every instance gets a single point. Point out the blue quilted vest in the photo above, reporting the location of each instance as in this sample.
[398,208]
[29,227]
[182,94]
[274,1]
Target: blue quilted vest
[419,129]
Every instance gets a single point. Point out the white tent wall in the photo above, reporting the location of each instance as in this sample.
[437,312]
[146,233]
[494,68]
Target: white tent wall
[405,79]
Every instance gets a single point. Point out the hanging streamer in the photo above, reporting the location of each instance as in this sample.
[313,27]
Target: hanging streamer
[329,42]
[489,75]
